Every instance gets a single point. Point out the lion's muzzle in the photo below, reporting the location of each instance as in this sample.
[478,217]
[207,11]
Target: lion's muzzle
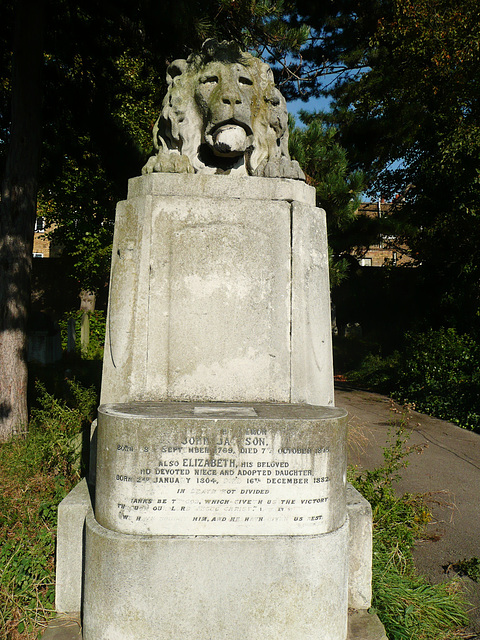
[230,140]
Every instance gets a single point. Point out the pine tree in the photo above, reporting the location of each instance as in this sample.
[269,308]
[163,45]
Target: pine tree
[339,189]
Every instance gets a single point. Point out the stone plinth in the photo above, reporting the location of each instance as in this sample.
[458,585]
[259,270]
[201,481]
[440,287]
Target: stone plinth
[214,587]
[219,292]
[218,520]
[220,469]
[69,552]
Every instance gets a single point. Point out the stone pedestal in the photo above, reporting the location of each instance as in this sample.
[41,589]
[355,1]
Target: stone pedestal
[215,587]
[218,521]
[219,291]
[220,506]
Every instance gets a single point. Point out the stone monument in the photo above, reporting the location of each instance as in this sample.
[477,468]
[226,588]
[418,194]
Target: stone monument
[221,508]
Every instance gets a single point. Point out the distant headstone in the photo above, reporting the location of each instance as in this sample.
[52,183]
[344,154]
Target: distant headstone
[353,330]
[84,331]
[71,335]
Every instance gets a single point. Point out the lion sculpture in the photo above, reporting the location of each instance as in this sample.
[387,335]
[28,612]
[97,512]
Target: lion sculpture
[222,115]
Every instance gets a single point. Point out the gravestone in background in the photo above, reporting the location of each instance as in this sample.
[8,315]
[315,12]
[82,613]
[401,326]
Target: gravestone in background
[221,506]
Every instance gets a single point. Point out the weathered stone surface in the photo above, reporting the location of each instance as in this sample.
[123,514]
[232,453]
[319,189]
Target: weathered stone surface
[222,115]
[221,469]
[206,186]
[201,298]
[363,625]
[64,627]
[311,347]
[215,587]
[69,558]
[360,550]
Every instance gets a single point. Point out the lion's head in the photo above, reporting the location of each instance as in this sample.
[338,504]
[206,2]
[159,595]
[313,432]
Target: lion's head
[222,114]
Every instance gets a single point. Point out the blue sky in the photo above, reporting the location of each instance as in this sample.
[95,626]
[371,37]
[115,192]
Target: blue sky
[314,104]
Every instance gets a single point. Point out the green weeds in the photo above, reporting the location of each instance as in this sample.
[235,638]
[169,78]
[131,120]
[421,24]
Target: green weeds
[36,473]
[409,607]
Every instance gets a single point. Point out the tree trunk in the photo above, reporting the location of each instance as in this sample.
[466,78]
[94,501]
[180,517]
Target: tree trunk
[17,215]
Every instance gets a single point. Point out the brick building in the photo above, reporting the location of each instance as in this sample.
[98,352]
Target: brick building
[387,252]
[42,244]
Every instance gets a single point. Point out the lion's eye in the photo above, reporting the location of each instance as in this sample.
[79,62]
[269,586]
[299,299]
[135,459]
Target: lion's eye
[209,80]
[245,80]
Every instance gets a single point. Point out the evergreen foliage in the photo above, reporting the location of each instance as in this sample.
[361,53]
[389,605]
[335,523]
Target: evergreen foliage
[404,93]
[325,164]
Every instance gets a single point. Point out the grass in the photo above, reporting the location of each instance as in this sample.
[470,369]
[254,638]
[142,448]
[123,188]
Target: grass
[36,473]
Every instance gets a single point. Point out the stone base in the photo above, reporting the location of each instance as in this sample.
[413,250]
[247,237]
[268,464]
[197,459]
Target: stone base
[214,587]
[72,512]
[70,555]
[361,626]
[360,550]
[216,521]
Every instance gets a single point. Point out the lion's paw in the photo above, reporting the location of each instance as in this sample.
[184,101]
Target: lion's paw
[168,163]
[280,168]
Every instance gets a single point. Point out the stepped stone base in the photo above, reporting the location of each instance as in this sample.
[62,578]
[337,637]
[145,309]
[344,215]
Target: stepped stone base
[71,557]
[361,626]
[218,587]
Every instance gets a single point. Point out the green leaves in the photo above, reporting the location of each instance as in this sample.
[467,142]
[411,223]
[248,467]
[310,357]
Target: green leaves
[439,373]
[405,102]
[325,164]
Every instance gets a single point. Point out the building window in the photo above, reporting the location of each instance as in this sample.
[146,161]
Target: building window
[40,225]
[365,262]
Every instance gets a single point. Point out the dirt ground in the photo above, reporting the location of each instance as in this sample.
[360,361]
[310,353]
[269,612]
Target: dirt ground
[446,468]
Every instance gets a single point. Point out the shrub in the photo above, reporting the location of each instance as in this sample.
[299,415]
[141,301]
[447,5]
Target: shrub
[439,373]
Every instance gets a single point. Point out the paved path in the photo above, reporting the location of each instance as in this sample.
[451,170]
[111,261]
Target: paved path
[447,470]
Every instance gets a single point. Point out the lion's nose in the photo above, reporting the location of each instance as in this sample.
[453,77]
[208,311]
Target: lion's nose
[230,96]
